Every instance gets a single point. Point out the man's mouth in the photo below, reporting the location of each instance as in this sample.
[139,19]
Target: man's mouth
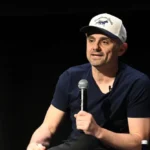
[97,54]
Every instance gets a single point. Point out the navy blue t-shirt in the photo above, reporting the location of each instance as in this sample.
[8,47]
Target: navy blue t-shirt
[129,97]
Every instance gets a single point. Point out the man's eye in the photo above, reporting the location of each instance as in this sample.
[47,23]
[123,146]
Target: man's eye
[91,40]
[105,42]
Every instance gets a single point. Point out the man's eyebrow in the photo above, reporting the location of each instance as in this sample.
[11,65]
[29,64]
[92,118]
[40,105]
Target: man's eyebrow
[105,38]
[90,36]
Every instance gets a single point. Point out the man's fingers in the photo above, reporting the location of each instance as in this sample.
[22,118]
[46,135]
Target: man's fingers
[36,146]
[40,147]
[82,113]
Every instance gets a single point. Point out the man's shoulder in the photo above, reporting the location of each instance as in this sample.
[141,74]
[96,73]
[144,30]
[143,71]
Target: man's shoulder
[76,71]
[134,73]
[79,68]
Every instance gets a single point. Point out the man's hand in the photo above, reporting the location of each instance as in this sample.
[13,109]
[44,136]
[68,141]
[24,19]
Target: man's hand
[36,146]
[86,122]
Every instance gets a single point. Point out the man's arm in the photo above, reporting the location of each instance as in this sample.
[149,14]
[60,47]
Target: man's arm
[44,133]
[139,129]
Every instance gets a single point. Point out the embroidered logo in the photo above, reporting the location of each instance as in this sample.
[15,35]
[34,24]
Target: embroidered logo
[103,21]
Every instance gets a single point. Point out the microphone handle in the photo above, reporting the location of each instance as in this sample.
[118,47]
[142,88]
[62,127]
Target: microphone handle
[84,99]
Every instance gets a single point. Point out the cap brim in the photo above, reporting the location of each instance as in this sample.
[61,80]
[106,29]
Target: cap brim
[94,30]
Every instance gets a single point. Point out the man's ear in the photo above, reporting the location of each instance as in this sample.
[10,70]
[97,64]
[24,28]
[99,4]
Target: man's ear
[122,49]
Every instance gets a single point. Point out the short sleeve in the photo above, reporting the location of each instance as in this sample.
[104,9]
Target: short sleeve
[60,97]
[139,98]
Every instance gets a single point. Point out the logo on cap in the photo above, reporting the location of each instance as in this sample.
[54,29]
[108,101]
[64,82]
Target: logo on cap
[103,21]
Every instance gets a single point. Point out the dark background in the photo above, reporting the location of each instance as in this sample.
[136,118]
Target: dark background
[38,43]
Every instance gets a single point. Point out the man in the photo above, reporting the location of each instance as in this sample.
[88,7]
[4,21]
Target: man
[118,106]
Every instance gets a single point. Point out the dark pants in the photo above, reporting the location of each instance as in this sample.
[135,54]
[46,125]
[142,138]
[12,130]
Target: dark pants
[84,142]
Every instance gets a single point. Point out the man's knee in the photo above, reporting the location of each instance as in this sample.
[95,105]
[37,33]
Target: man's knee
[60,147]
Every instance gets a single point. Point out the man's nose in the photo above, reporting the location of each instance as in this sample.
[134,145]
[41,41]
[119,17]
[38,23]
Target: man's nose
[96,47]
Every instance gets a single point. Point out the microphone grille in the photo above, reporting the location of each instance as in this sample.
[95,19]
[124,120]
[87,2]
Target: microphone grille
[83,84]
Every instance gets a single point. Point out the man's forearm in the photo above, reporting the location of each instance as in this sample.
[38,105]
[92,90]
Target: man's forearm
[119,141]
[41,135]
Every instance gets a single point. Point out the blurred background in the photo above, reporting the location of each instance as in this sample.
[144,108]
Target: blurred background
[40,41]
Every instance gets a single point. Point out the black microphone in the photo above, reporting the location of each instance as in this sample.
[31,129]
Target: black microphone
[110,88]
[83,85]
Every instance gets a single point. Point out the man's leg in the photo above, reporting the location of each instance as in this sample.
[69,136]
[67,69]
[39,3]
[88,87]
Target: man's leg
[65,146]
[84,142]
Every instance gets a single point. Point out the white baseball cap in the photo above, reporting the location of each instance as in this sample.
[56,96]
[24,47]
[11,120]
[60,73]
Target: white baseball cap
[106,24]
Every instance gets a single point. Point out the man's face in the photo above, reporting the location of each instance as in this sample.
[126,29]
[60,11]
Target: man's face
[101,50]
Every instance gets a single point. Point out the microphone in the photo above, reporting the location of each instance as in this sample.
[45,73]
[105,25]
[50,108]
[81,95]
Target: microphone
[83,85]
[110,88]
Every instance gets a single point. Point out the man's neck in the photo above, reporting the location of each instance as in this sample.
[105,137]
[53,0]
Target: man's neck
[104,74]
